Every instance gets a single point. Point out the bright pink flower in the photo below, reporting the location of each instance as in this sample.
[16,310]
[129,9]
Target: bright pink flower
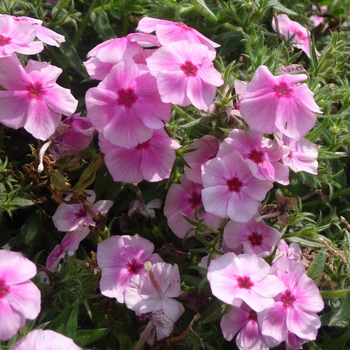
[32,98]
[293,251]
[151,160]
[71,217]
[45,339]
[17,36]
[154,292]
[126,106]
[245,277]
[204,148]
[230,188]
[273,103]
[295,308]
[120,258]
[288,28]
[256,237]
[69,245]
[185,74]
[260,153]
[185,198]
[167,32]
[19,297]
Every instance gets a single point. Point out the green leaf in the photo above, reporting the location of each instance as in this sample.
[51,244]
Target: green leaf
[279,7]
[101,25]
[204,10]
[215,311]
[316,269]
[72,323]
[342,313]
[87,336]
[60,319]
[305,242]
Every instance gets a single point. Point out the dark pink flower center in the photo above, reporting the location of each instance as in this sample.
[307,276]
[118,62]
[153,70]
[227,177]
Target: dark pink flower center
[134,267]
[288,299]
[144,145]
[234,184]
[255,239]
[182,25]
[35,90]
[253,316]
[282,90]
[256,156]
[244,282]
[290,155]
[126,97]
[4,289]
[299,35]
[4,41]
[81,213]
[195,200]
[189,69]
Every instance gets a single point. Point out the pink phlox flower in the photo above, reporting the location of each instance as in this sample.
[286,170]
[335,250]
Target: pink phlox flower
[204,148]
[185,198]
[120,258]
[32,98]
[288,28]
[300,155]
[126,106]
[71,217]
[72,135]
[293,342]
[273,103]
[244,321]
[69,245]
[230,188]
[151,160]
[167,32]
[45,339]
[245,277]
[17,36]
[162,323]
[146,210]
[293,251]
[317,20]
[19,297]
[262,155]
[240,89]
[295,309]
[155,291]
[255,237]
[185,74]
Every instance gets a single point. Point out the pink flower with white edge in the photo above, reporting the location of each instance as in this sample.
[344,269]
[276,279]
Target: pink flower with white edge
[32,98]
[279,103]
[293,251]
[262,155]
[245,277]
[230,188]
[185,74]
[70,243]
[185,198]
[295,309]
[19,297]
[204,149]
[17,36]
[167,32]
[126,107]
[155,291]
[288,28]
[120,258]
[151,160]
[71,217]
[255,237]
[45,339]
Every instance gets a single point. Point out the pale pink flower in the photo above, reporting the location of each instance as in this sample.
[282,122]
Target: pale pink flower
[260,153]
[154,291]
[288,28]
[45,339]
[167,32]
[126,107]
[32,98]
[240,89]
[293,251]
[19,297]
[245,277]
[256,237]
[230,188]
[273,103]
[185,74]
[317,20]
[295,309]
[204,149]
[69,245]
[151,160]
[293,342]
[120,258]
[185,198]
[17,36]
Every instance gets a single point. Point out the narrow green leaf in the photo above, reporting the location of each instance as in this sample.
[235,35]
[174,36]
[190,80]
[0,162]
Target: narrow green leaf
[60,319]
[215,311]
[204,10]
[101,25]
[279,7]
[72,323]
[87,336]
[342,313]
[316,269]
